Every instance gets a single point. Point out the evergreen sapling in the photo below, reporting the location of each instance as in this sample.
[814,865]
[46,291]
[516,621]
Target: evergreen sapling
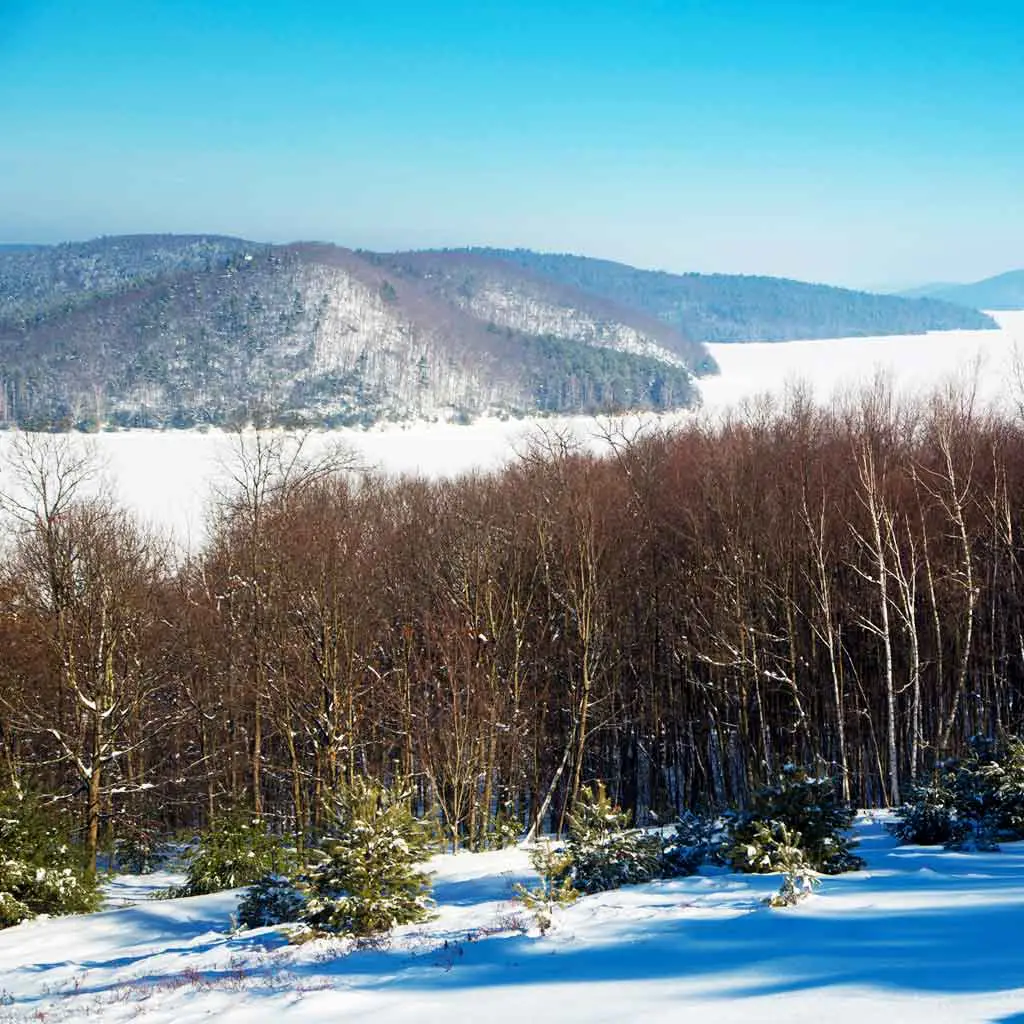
[40,871]
[366,880]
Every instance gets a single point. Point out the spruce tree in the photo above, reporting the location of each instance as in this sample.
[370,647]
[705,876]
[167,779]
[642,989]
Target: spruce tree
[274,899]
[807,806]
[604,851]
[366,880]
[236,849]
[40,870]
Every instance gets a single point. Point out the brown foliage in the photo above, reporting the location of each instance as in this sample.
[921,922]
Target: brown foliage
[838,588]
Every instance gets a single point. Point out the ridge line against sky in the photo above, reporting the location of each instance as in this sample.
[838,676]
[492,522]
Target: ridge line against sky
[861,144]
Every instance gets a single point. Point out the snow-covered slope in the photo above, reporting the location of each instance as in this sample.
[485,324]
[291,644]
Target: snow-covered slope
[921,935]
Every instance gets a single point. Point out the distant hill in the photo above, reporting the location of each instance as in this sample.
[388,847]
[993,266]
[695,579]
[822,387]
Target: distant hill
[921,291]
[727,308]
[177,331]
[1005,291]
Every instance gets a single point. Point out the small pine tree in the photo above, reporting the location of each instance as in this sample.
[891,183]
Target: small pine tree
[274,899]
[1000,780]
[40,871]
[604,851]
[505,829]
[929,817]
[777,845]
[236,849]
[805,805]
[972,779]
[138,850]
[978,797]
[366,881]
[697,840]
[554,867]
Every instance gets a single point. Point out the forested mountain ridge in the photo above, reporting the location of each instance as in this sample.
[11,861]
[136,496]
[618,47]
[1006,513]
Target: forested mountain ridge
[39,280]
[1004,291]
[728,307]
[515,297]
[169,330]
[178,330]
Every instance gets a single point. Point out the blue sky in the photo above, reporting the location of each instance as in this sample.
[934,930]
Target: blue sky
[862,143]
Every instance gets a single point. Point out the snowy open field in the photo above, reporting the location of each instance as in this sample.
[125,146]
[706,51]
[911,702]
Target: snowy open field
[166,476]
[920,935]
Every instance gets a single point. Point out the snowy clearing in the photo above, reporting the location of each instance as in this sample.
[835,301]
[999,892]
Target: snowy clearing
[166,476]
[921,935]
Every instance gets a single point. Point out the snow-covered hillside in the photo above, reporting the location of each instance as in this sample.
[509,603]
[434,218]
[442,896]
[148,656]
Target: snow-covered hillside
[921,935]
[166,475]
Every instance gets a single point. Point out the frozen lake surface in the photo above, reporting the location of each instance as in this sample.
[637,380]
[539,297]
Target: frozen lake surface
[166,476]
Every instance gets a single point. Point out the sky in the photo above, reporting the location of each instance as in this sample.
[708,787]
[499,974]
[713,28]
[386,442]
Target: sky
[875,143]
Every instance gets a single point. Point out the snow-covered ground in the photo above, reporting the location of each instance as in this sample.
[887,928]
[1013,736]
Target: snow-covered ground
[166,476]
[990,361]
[921,935]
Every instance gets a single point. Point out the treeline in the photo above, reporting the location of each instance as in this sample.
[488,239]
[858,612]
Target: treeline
[566,376]
[679,618]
